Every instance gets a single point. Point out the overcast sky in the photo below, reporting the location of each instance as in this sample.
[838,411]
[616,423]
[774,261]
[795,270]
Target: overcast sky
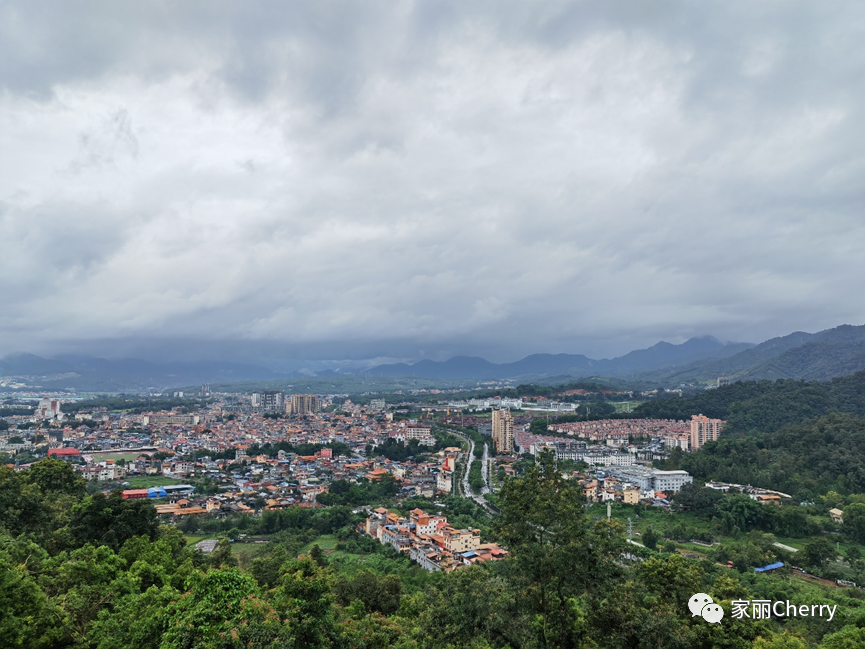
[336,180]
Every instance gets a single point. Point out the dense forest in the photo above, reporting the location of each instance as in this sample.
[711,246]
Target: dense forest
[99,572]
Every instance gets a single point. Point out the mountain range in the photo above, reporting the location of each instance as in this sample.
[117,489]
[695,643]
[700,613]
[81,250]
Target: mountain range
[660,356]
[799,355]
[809,356]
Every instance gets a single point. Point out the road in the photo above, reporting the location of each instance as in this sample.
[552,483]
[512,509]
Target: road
[466,488]
[485,469]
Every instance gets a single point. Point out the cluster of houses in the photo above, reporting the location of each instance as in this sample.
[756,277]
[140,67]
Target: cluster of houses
[618,431]
[634,485]
[429,540]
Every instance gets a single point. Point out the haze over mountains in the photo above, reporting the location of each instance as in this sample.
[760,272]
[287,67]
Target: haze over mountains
[659,356]
[817,356]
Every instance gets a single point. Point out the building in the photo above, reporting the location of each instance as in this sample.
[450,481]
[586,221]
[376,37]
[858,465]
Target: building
[64,453]
[631,496]
[652,479]
[670,481]
[503,431]
[456,541]
[444,481]
[302,404]
[174,419]
[377,405]
[48,408]
[420,432]
[425,523]
[269,401]
[704,430]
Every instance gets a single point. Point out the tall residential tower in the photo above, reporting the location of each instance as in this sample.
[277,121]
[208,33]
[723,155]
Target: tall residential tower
[503,431]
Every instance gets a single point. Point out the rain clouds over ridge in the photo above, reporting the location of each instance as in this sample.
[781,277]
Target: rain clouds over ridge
[428,178]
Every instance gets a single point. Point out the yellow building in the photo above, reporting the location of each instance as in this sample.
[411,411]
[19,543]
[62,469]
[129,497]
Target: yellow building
[631,496]
[457,541]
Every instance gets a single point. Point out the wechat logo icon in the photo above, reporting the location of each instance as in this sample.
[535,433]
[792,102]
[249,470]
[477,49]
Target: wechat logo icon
[702,604]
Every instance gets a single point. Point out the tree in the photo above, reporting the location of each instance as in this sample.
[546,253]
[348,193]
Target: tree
[849,637]
[377,593]
[854,522]
[57,477]
[224,609]
[650,538]
[818,552]
[700,500]
[25,615]
[305,594]
[543,525]
[111,520]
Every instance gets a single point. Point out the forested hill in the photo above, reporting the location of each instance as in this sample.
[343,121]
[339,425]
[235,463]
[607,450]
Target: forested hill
[765,406]
[800,438]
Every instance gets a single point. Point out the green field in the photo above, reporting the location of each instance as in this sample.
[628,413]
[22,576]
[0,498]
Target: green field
[246,552]
[143,482]
[325,542]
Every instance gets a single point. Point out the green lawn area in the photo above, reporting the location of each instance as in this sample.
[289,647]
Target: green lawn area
[325,542]
[625,406]
[143,482]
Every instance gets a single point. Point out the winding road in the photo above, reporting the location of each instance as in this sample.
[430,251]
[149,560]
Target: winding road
[466,488]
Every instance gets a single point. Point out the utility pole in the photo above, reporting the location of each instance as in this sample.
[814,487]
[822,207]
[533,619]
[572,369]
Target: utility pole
[630,530]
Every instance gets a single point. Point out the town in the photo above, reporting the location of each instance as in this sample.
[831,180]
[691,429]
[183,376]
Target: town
[264,451]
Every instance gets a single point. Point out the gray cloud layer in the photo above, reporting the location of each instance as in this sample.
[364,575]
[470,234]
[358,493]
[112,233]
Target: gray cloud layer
[429,177]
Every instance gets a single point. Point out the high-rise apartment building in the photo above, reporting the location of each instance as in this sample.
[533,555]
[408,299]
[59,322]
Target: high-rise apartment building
[503,431]
[302,404]
[704,430]
[269,401]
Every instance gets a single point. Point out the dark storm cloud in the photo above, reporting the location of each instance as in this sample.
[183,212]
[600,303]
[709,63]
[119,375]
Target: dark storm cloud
[428,178]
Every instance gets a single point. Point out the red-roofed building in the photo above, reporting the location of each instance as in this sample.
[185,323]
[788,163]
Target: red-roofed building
[64,452]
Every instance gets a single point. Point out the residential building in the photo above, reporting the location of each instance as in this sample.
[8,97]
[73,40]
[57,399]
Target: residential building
[269,401]
[444,481]
[704,430]
[302,404]
[631,496]
[460,540]
[503,431]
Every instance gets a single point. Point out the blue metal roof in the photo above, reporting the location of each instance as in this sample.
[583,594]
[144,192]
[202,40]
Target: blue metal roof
[771,566]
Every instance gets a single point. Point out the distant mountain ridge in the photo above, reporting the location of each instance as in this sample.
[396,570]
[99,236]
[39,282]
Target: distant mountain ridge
[811,357]
[660,356]
[124,374]
[814,357]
